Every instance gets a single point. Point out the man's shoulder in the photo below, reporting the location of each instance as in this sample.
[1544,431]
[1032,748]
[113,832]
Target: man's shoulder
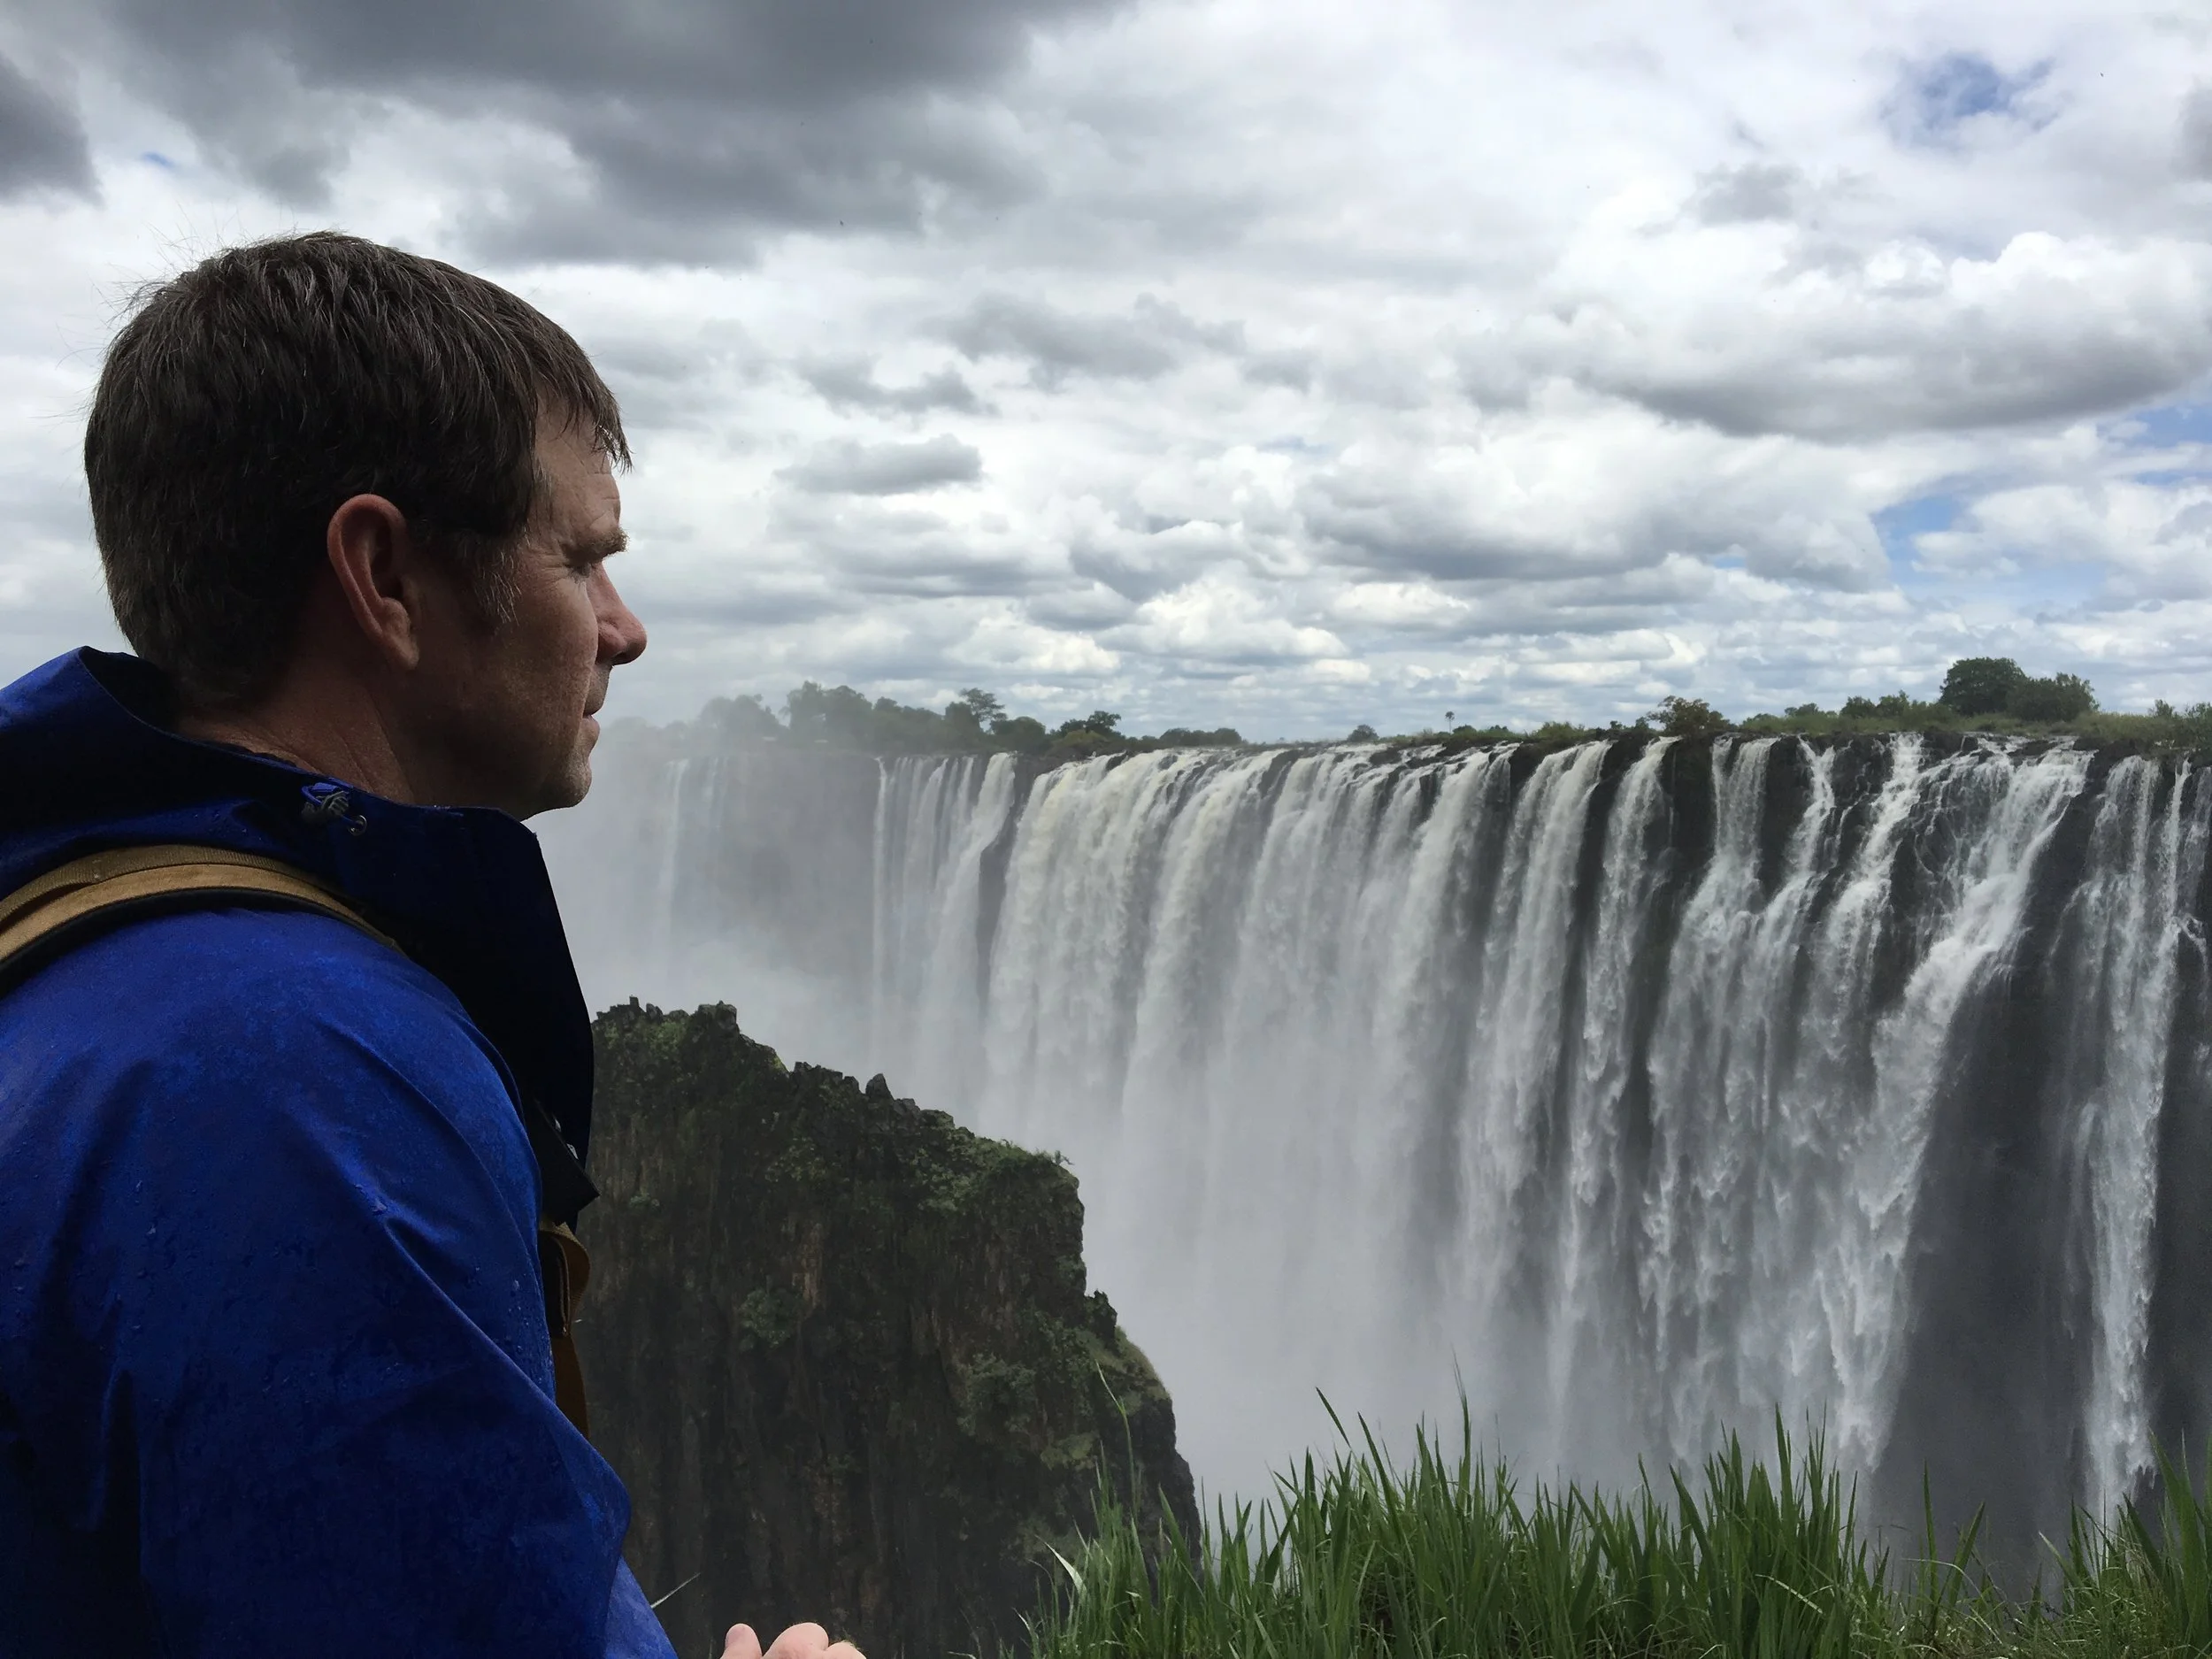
[261,1044]
[228,962]
[240,992]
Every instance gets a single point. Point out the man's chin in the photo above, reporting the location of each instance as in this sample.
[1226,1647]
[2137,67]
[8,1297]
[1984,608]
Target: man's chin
[576,781]
[567,789]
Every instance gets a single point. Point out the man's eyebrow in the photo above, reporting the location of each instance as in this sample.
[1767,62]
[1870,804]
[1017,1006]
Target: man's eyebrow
[602,545]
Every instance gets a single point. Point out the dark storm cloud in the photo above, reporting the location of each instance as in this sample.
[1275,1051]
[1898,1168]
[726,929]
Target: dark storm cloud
[1137,573]
[757,607]
[1079,609]
[701,187]
[1747,193]
[42,145]
[678,380]
[1154,337]
[1385,527]
[925,572]
[884,469]
[891,548]
[2196,134]
[1292,369]
[850,383]
[1941,387]
[688,116]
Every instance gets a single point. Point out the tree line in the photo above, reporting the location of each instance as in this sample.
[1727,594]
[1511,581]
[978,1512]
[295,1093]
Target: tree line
[1978,693]
[838,717]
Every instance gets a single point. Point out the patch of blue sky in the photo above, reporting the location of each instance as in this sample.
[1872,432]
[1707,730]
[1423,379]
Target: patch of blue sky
[1898,526]
[2038,589]
[2165,425]
[1936,98]
[2051,591]
[2173,429]
[154,157]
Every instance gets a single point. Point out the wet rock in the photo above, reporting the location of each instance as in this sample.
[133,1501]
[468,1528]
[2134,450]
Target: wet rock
[845,1357]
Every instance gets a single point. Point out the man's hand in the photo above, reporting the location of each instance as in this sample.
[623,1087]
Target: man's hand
[800,1641]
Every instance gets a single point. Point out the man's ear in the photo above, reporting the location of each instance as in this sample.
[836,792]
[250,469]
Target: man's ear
[379,567]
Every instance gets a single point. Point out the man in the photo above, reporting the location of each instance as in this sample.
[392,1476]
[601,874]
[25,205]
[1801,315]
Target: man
[276,1366]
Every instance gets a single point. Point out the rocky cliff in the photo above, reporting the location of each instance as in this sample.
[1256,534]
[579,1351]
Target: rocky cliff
[841,1350]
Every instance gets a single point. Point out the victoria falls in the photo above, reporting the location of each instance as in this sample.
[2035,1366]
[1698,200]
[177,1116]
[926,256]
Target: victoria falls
[1633,1091]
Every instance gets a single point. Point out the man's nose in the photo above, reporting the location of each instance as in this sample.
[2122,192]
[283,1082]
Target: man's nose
[621,635]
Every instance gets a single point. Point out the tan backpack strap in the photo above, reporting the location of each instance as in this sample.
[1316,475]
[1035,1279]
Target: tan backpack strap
[47,915]
[565,1268]
[44,917]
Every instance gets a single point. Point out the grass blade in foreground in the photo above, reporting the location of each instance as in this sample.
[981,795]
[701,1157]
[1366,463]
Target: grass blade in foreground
[1360,1558]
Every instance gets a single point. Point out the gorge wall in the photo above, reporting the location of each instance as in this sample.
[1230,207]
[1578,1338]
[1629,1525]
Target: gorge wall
[842,1352]
[1639,1087]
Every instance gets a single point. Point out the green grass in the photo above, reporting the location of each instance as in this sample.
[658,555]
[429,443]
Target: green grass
[1359,1557]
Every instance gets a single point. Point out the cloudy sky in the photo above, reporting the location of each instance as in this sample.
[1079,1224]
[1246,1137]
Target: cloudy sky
[1284,364]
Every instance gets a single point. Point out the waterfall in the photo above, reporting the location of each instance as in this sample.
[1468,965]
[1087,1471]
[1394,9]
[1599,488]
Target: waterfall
[2122,936]
[1639,1088]
[935,823]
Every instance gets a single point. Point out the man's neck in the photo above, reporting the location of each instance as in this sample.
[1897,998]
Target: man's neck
[345,741]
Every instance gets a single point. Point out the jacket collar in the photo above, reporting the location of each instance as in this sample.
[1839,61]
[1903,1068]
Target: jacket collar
[88,762]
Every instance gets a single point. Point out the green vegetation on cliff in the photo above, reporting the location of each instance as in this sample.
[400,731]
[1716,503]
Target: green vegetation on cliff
[1449,1559]
[1980,694]
[974,722]
[1992,694]
[842,1350]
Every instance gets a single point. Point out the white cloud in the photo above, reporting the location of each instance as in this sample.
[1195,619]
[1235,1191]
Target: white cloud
[1731,329]
[2154,542]
[1309,364]
[1216,620]
[1575,486]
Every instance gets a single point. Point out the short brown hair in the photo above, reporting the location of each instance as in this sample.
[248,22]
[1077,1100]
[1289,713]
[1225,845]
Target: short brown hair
[247,398]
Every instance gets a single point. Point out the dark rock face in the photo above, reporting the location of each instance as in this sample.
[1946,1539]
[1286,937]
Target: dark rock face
[839,1348]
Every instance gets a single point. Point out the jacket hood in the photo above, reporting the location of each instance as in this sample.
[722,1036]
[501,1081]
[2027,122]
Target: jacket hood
[87,763]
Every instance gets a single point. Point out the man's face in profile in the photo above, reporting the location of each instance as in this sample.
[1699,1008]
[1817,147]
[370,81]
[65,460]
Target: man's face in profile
[522,695]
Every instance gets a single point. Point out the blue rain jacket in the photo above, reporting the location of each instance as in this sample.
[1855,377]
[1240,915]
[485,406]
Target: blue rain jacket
[274,1381]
